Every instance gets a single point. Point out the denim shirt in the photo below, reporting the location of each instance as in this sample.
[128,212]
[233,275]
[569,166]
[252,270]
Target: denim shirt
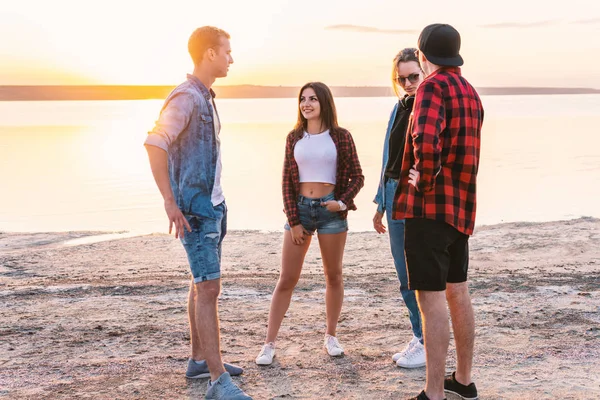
[380,196]
[185,130]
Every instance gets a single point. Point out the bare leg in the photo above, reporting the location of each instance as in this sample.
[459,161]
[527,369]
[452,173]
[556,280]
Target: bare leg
[197,353]
[332,252]
[292,258]
[463,325]
[207,324]
[437,337]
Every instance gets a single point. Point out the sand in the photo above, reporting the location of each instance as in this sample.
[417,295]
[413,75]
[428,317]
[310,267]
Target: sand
[83,318]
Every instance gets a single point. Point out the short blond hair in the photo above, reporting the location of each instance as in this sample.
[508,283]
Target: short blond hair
[202,39]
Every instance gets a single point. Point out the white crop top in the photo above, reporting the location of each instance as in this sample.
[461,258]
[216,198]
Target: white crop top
[316,157]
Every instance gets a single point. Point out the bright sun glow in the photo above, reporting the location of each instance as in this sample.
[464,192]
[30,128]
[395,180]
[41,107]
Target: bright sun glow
[275,42]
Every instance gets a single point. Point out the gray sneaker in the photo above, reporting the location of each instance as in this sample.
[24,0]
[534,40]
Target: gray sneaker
[224,389]
[197,370]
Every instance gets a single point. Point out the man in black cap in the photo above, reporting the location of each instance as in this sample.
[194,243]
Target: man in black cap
[437,198]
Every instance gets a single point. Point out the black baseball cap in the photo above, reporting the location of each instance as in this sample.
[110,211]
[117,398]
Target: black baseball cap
[441,45]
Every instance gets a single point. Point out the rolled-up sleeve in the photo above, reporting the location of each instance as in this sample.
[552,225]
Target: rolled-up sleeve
[429,118]
[173,119]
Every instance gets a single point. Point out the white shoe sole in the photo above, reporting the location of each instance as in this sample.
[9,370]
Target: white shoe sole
[264,364]
[462,397]
[333,355]
[411,366]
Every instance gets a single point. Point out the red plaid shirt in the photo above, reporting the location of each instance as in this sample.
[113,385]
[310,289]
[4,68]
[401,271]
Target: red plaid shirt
[444,145]
[349,177]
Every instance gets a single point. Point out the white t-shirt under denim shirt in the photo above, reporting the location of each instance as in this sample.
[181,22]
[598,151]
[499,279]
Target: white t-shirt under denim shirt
[316,157]
[217,196]
[171,123]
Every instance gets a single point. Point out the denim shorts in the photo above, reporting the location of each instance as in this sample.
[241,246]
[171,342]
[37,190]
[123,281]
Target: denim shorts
[203,244]
[314,217]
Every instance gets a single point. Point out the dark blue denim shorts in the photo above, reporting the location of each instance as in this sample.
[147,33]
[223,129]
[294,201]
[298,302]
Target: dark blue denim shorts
[315,217]
[203,244]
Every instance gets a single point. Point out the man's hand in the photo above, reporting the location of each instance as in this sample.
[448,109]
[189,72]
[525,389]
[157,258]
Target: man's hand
[331,205]
[298,233]
[176,218]
[160,170]
[414,176]
[377,224]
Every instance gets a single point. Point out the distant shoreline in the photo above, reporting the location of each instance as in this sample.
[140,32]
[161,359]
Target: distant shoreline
[124,92]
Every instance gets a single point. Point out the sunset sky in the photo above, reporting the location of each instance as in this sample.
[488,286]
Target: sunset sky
[277,42]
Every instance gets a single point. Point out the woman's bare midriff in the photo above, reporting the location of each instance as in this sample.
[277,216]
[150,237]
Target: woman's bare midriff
[316,190]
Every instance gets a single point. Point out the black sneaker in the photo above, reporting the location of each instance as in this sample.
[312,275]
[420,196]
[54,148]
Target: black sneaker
[464,392]
[421,396]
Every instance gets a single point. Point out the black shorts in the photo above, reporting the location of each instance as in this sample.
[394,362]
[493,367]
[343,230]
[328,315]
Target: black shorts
[436,254]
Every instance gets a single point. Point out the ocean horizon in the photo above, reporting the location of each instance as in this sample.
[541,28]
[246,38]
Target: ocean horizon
[82,166]
[156,92]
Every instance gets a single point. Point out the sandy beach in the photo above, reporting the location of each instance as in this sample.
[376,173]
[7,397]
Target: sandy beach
[81,318]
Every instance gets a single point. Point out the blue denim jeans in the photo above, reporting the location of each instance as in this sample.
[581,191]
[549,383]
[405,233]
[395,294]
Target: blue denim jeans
[396,233]
[203,244]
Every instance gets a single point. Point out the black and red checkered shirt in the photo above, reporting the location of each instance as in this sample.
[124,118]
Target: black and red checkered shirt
[443,144]
[349,177]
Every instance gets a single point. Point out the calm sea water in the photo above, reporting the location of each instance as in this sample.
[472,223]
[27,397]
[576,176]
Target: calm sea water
[81,165]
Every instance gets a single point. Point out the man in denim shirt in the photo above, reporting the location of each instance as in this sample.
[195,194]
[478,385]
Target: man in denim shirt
[185,157]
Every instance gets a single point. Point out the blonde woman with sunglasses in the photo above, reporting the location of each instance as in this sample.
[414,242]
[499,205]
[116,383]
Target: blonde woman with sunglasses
[406,77]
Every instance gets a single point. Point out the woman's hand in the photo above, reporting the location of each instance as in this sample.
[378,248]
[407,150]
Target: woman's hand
[298,233]
[377,224]
[331,205]
[414,176]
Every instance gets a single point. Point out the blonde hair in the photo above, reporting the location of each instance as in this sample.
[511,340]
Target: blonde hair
[202,39]
[405,55]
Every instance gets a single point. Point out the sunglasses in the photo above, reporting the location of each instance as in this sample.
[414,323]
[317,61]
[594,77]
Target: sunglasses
[413,78]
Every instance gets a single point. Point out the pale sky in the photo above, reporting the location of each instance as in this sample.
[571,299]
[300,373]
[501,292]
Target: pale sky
[279,42]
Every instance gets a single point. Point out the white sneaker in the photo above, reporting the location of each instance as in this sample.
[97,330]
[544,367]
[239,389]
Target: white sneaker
[415,358]
[406,349]
[333,347]
[266,355]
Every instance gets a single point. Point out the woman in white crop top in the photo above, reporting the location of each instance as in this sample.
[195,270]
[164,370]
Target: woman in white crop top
[321,177]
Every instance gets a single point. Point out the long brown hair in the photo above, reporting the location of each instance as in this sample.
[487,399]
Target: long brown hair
[328,112]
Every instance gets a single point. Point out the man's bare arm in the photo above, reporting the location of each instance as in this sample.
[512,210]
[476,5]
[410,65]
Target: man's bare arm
[160,170]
